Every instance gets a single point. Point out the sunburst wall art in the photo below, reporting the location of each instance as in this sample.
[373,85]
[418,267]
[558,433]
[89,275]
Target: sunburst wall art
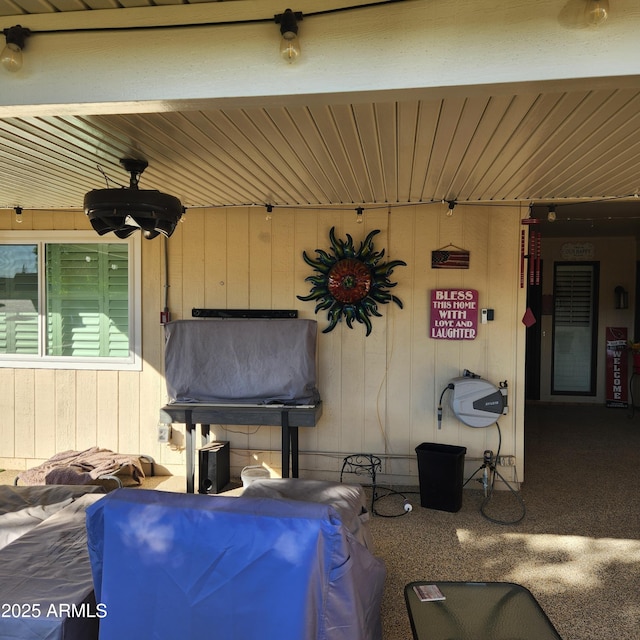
[350,282]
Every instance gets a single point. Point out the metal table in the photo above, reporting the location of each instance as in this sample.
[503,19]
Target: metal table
[288,417]
[478,611]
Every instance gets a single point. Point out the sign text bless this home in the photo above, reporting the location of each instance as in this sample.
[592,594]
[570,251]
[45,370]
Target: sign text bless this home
[454,314]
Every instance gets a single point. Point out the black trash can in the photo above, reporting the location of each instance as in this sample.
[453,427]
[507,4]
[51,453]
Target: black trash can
[441,475]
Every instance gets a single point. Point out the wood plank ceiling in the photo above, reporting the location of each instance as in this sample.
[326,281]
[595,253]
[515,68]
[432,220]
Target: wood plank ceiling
[539,147]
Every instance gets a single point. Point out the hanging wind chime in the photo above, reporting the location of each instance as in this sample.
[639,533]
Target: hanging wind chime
[533,258]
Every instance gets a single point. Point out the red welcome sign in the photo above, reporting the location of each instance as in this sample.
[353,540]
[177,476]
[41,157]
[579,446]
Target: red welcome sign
[454,314]
[616,372]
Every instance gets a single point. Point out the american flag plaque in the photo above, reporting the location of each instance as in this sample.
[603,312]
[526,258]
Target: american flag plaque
[450,257]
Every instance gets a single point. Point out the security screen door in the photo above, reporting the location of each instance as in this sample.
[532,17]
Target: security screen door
[575,329]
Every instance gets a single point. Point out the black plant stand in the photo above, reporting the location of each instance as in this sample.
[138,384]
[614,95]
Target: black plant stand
[363,464]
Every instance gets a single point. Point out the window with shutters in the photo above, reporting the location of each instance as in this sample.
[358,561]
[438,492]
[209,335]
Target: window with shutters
[575,328]
[69,300]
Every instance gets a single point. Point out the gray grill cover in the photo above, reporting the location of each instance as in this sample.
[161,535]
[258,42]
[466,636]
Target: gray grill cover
[250,361]
[46,575]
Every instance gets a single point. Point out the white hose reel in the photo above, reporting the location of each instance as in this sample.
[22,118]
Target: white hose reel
[475,401]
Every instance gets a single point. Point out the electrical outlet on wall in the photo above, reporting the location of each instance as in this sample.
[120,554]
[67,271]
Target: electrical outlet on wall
[164,432]
[486,315]
[507,461]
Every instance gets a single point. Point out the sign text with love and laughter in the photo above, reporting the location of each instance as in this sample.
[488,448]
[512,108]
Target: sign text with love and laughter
[454,314]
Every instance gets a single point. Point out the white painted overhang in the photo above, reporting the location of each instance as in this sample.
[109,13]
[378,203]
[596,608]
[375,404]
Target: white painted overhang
[405,102]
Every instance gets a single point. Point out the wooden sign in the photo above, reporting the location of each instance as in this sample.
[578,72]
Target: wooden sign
[577,251]
[454,314]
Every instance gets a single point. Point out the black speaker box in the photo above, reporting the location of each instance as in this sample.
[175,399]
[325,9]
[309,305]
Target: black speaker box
[213,467]
[244,313]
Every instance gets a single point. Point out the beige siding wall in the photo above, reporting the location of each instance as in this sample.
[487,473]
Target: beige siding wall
[380,393]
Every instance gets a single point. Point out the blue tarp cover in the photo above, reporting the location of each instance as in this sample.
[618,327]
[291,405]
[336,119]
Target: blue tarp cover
[170,565]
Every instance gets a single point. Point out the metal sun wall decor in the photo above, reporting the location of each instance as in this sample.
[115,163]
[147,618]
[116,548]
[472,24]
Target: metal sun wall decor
[351,282]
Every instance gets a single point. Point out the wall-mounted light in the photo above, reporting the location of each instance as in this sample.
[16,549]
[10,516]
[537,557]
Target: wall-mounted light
[11,56]
[289,45]
[621,297]
[551,213]
[596,11]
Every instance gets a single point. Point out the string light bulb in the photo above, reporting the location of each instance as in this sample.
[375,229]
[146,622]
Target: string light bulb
[551,214]
[269,209]
[289,44]
[359,216]
[11,56]
[596,12]
[18,212]
[452,205]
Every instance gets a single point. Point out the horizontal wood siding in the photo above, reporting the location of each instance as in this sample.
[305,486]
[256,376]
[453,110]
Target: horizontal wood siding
[380,392]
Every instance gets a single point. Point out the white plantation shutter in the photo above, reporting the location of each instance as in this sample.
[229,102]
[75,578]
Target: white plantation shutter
[87,300]
[117,287]
[69,300]
[18,332]
[18,299]
[25,333]
[575,295]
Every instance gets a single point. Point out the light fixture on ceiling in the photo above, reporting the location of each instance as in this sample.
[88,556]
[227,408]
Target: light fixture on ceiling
[269,209]
[18,212]
[126,210]
[359,216]
[11,56]
[596,11]
[289,45]
[452,204]
[551,213]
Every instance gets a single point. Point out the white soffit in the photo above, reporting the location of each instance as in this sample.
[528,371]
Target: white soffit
[494,148]
[502,142]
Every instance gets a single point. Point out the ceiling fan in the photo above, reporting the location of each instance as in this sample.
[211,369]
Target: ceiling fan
[123,211]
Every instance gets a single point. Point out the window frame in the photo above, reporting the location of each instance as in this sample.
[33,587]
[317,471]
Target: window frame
[133,362]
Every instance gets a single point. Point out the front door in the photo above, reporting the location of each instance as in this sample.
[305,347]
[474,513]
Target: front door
[575,328]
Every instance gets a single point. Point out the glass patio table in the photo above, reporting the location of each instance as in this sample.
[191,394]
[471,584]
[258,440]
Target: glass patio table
[478,611]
